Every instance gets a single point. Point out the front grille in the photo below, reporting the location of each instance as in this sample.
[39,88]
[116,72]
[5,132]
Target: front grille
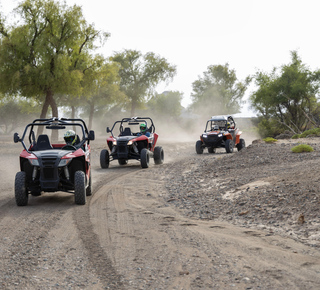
[122,149]
[48,173]
[212,138]
[48,161]
[49,166]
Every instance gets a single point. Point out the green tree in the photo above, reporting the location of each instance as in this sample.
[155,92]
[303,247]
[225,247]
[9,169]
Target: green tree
[140,74]
[102,89]
[48,54]
[14,111]
[166,105]
[287,97]
[218,91]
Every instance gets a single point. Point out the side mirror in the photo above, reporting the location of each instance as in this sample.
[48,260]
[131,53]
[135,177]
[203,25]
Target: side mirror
[16,138]
[91,135]
[108,130]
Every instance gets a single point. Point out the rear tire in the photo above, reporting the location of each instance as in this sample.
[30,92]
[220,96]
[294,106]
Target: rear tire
[144,158]
[20,189]
[104,158]
[211,150]
[199,148]
[229,146]
[80,188]
[158,155]
[241,144]
[122,161]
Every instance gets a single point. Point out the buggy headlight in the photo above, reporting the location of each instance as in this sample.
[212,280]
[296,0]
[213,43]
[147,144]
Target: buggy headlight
[130,142]
[204,135]
[34,162]
[220,135]
[114,143]
[64,162]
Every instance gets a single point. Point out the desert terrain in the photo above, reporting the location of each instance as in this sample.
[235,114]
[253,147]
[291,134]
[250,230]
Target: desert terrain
[246,220]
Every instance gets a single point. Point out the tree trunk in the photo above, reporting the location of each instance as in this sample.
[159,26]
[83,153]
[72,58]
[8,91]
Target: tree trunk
[73,112]
[73,115]
[54,108]
[43,114]
[91,115]
[133,107]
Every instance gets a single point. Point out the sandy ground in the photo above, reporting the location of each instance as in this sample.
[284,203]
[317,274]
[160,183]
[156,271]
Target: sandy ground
[139,230]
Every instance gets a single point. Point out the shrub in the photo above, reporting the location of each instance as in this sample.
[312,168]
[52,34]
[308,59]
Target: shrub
[301,148]
[270,140]
[296,136]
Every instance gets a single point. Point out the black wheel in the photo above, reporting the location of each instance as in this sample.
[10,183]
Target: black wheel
[199,148]
[122,161]
[89,187]
[144,158]
[104,158]
[20,189]
[241,144]
[211,150]
[158,155]
[229,146]
[80,188]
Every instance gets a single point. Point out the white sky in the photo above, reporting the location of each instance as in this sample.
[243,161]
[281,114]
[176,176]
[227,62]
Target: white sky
[193,34]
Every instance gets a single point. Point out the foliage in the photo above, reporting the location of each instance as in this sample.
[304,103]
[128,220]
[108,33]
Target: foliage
[288,97]
[166,105]
[14,112]
[302,148]
[307,133]
[218,91]
[140,74]
[102,90]
[48,53]
[269,127]
[270,140]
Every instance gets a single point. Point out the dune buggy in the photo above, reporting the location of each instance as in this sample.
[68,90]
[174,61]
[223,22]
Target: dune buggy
[220,132]
[130,144]
[52,165]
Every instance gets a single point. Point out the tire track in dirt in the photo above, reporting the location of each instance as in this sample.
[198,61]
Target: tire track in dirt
[24,232]
[99,259]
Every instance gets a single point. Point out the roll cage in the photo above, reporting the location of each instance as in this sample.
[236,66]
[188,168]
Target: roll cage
[54,124]
[132,121]
[221,122]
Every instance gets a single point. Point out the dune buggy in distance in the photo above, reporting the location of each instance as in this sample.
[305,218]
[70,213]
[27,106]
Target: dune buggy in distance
[130,144]
[220,132]
[51,166]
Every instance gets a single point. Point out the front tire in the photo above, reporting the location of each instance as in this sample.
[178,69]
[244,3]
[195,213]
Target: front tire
[158,155]
[241,144]
[144,158]
[199,148]
[229,146]
[104,158]
[79,188]
[20,189]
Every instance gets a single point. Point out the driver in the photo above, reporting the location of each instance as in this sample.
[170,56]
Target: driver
[71,138]
[143,130]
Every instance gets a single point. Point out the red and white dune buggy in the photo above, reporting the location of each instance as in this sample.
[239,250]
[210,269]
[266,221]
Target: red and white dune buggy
[52,165]
[131,144]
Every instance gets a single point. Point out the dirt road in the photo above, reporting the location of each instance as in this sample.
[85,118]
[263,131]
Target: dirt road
[129,236]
